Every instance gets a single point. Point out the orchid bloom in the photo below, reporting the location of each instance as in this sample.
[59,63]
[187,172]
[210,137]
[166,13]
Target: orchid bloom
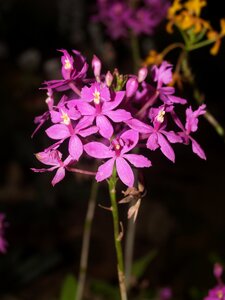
[118,155]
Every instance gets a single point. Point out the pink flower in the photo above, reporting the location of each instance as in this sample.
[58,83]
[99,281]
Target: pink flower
[163,76]
[157,136]
[74,69]
[117,154]
[72,131]
[97,104]
[192,126]
[53,158]
[218,292]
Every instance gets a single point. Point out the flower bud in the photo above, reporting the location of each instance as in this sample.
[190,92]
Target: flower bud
[131,87]
[218,270]
[96,65]
[108,78]
[142,74]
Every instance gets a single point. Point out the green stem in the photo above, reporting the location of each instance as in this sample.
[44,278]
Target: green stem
[86,240]
[200,45]
[117,238]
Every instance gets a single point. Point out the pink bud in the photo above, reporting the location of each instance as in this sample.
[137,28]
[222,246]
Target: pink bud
[108,78]
[218,270]
[96,65]
[142,74]
[50,101]
[131,87]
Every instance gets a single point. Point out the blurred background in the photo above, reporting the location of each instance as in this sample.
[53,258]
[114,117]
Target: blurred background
[181,219]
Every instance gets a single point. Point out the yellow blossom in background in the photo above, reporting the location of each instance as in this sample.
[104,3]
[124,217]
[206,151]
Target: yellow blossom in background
[195,6]
[153,58]
[222,26]
[174,8]
[186,16]
[214,35]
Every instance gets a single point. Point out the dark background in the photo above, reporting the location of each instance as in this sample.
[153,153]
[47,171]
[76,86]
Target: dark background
[182,217]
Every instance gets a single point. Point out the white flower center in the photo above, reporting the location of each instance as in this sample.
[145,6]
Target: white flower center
[96,95]
[160,116]
[67,64]
[65,118]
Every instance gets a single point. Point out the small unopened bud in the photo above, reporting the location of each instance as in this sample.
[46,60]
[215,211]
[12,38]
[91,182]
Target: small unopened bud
[218,270]
[108,78]
[131,87]
[96,65]
[142,74]
[50,101]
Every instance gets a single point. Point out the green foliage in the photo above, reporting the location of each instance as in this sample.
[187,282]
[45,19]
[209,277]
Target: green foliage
[140,265]
[69,288]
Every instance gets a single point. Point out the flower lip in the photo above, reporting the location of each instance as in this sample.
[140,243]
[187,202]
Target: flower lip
[97,96]
[160,115]
[67,64]
[65,118]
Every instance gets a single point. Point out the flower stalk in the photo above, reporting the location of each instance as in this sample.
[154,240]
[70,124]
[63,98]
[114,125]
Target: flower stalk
[86,240]
[117,236]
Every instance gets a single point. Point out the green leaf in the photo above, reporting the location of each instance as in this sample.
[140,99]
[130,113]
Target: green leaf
[140,265]
[69,288]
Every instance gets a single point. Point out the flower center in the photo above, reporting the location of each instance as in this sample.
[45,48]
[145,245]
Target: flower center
[67,64]
[160,116]
[117,145]
[96,95]
[65,118]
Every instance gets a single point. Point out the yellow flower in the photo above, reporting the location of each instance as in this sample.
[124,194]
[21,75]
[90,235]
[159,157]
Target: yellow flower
[174,8]
[153,58]
[195,6]
[222,26]
[214,35]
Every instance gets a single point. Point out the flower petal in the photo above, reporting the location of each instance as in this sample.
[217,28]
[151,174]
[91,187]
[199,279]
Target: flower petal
[130,139]
[152,142]
[50,157]
[137,160]
[105,170]
[60,174]
[172,136]
[84,122]
[139,126]
[165,147]
[197,149]
[75,147]
[109,105]
[87,94]
[98,150]
[85,109]
[124,171]
[118,115]
[105,127]
[175,99]
[58,131]
[88,131]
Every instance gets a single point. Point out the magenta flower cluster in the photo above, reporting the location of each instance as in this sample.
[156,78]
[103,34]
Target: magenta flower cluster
[120,17]
[3,243]
[111,117]
[218,292]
